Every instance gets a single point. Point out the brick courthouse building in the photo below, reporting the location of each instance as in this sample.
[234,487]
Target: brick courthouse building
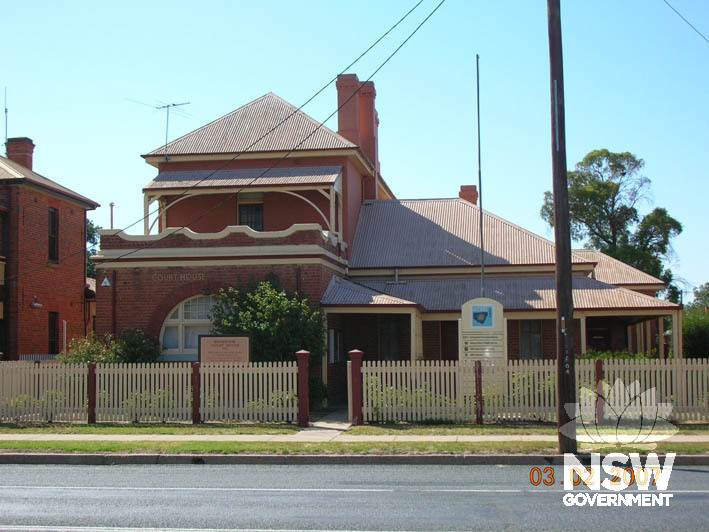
[390,275]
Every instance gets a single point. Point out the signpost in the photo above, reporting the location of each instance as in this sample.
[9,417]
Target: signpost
[482,332]
[217,348]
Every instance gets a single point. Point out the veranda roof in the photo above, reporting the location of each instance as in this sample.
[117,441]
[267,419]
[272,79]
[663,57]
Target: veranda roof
[514,293]
[610,270]
[247,177]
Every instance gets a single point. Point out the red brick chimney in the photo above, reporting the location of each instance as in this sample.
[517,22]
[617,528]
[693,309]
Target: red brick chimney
[358,121]
[20,149]
[469,193]
[348,116]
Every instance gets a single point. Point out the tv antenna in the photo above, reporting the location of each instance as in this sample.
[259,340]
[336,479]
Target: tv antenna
[167,107]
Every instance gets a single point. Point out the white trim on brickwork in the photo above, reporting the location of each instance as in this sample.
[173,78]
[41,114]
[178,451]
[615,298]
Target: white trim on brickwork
[265,261]
[229,230]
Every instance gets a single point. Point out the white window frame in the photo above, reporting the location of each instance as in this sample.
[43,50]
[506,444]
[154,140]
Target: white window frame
[180,322]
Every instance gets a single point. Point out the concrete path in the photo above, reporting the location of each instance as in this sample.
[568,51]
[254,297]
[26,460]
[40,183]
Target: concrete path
[332,427]
[312,434]
[308,435]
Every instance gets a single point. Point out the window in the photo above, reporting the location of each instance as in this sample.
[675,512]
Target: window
[251,214]
[53,235]
[530,339]
[181,330]
[53,333]
[3,234]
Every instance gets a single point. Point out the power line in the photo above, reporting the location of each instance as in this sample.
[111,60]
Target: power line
[236,156]
[687,22]
[288,117]
[320,125]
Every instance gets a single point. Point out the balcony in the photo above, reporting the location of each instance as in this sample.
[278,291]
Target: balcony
[235,242]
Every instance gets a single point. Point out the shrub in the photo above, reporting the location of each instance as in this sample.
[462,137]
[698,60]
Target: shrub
[592,354]
[696,333]
[132,346]
[90,350]
[278,323]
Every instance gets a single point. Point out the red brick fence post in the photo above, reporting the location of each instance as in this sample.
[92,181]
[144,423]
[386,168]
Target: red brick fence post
[356,369]
[599,390]
[91,385]
[478,392]
[303,388]
[196,394]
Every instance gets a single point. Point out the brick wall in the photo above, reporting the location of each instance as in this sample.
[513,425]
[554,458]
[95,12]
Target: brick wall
[351,182]
[145,296]
[58,287]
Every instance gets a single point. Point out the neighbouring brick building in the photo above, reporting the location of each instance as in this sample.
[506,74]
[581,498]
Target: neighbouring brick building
[266,190]
[43,248]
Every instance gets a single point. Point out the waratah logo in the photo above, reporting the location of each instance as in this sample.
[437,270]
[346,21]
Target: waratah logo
[619,415]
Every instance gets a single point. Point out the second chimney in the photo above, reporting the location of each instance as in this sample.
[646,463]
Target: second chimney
[20,150]
[469,193]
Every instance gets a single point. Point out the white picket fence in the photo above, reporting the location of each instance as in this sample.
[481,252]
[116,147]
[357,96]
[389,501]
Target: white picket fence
[405,391]
[45,392]
[144,392]
[526,390]
[51,391]
[683,384]
[265,391]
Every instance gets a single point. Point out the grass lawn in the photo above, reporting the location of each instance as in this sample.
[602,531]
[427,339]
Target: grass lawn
[147,428]
[515,447]
[462,429]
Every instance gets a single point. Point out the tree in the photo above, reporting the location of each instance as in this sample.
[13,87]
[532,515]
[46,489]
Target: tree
[696,324]
[92,240]
[696,333]
[278,323]
[604,192]
[701,297]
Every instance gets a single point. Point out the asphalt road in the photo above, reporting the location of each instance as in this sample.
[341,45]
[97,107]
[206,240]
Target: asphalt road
[255,497]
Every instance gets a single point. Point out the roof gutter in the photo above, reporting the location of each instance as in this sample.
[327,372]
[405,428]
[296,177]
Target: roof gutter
[89,204]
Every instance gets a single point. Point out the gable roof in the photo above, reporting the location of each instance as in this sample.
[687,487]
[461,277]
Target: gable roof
[514,293]
[441,232]
[247,177]
[613,271]
[10,172]
[242,129]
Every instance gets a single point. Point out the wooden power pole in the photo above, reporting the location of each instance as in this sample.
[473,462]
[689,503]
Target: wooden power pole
[566,371]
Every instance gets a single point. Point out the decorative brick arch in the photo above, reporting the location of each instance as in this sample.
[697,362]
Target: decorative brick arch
[177,296]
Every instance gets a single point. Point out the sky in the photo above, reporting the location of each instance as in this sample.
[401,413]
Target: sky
[636,79]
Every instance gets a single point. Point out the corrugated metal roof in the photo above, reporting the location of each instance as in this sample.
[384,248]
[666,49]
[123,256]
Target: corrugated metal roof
[613,271]
[10,170]
[238,130]
[344,292]
[248,177]
[518,293]
[441,232]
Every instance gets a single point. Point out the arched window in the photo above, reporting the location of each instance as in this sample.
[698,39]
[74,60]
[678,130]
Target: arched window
[181,330]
